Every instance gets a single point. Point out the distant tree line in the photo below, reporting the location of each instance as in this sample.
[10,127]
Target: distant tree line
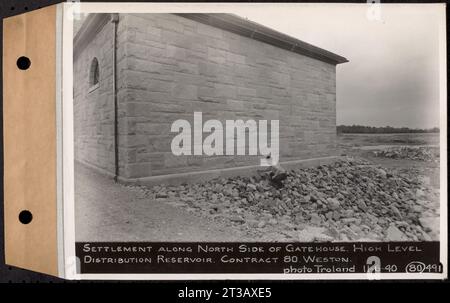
[361,129]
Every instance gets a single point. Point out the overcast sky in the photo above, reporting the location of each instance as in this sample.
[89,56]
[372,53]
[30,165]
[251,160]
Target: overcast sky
[393,74]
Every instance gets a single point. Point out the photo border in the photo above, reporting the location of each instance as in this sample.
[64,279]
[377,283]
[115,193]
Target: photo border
[66,152]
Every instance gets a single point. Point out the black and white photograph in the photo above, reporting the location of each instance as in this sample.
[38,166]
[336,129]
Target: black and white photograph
[288,124]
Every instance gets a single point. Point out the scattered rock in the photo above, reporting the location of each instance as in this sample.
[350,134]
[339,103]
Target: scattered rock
[396,211]
[420,153]
[305,199]
[336,215]
[362,205]
[426,237]
[420,193]
[315,219]
[333,203]
[329,215]
[311,233]
[237,219]
[352,199]
[430,224]
[273,221]
[252,223]
[305,236]
[161,195]
[382,172]
[394,234]
[348,220]
[251,187]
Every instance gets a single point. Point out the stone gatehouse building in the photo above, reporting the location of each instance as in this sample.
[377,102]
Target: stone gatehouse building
[135,74]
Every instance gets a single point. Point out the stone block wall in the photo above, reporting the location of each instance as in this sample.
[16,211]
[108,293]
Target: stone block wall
[170,67]
[94,107]
[176,66]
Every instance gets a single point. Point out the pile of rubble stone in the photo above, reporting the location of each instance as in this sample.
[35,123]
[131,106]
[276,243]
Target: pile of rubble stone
[421,153]
[345,201]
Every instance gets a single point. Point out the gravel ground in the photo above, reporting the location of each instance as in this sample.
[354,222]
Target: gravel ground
[351,200]
[416,153]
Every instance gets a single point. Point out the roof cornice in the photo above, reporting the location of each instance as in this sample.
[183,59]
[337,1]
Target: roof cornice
[253,30]
[88,30]
[232,23]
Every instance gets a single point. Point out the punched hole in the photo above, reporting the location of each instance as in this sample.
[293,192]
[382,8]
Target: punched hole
[25,217]
[23,63]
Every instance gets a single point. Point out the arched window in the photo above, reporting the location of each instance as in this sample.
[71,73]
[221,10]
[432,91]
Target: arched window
[94,74]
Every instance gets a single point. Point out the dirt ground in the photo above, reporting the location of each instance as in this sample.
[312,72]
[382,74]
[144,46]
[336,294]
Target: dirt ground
[363,145]
[355,140]
[106,211]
